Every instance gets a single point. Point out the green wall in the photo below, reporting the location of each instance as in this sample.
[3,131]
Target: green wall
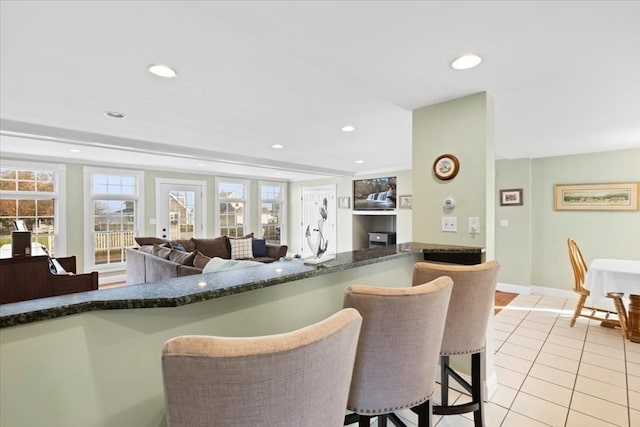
[533,249]
[462,127]
[513,243]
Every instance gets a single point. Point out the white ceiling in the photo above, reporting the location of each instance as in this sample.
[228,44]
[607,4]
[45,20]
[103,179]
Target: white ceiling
[564,76]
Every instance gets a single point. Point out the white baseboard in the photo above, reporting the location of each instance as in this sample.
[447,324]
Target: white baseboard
[537,290]
[514,289]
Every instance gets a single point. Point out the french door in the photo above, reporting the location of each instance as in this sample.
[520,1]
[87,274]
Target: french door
[180,209]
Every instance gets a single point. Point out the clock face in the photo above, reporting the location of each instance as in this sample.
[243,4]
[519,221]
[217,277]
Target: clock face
[446,167]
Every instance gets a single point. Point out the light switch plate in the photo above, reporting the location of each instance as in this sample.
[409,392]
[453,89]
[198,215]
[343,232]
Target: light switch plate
[474,225]
[504,223]
[450,224]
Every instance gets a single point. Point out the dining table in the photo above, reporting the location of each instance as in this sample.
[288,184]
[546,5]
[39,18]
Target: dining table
[606,275]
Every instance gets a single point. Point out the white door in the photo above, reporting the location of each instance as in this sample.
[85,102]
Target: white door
[318,221]
[180,209]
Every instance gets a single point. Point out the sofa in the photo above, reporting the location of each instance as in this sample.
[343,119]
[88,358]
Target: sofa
[157,259]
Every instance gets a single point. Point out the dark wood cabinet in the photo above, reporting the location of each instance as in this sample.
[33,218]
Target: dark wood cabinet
[29,277]
[453,257]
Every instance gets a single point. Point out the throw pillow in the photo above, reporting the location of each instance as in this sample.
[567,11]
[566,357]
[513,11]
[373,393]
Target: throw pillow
[219,264]
[178,247]
[200,260]
[241,248]
[143,241]
[259,247]
[182,257]
[55,267]
[187,244]
[246,236]
[161,251]
[148,249]
[218,247]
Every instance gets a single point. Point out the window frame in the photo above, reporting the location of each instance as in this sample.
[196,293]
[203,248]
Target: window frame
[58,194]
[246,200]
[89,197]
[283,210]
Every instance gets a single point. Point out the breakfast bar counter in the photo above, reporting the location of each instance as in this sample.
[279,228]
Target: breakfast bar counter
[93,358]
[196,288]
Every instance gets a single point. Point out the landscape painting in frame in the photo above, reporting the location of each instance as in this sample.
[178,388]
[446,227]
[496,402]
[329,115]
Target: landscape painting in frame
[597,197]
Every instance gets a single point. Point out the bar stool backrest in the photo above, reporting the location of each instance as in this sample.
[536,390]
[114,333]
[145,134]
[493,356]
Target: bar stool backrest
[398,352]
[470,305]
[296,379]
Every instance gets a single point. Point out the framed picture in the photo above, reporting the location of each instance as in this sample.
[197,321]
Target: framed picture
[621,196]
[405,202]
[446,167]
[344,202]
[512,197]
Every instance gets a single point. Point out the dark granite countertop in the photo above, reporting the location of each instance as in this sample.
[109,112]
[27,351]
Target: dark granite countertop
[191,289]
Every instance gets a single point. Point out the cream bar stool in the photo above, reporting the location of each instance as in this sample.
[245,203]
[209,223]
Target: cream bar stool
[397,356]
[261,381]
[466,327]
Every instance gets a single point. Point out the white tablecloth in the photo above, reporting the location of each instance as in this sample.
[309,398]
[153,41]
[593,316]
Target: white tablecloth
[612,275]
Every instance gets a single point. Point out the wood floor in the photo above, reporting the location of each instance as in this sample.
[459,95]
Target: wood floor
[502,299]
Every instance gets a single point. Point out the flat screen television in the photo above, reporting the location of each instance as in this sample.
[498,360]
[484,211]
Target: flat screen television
[374,194]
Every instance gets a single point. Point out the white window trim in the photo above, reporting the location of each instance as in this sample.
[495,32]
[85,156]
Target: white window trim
[283,213]
[59,193]
[88,213]
[246,200]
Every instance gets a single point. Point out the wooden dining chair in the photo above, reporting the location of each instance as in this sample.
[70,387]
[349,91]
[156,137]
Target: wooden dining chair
[579,266]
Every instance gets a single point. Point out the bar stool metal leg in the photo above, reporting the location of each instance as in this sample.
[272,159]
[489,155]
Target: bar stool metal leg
[475,389]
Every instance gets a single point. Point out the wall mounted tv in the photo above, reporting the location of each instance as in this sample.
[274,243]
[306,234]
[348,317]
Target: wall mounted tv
[374,194]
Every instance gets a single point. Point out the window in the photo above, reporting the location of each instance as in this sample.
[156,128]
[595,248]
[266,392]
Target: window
[33,193]
[232,207]
[113,216]
[272,211]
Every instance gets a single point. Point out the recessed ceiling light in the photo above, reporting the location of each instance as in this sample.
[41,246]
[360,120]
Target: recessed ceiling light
[465,62]
[162,71]
[277,173]
[202,165]
[277,146]
[348,128]
[75,150]
[114,115]
[359,162]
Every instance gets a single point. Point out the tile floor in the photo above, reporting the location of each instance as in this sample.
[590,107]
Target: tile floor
[552,375]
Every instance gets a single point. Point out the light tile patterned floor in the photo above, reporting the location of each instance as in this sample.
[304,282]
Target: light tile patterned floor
[552,375]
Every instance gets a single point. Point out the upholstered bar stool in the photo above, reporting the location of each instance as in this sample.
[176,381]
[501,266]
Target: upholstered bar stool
[465,330]
[262,381]
[397,358]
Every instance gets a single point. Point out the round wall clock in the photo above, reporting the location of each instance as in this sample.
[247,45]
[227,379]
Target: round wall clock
[446,167]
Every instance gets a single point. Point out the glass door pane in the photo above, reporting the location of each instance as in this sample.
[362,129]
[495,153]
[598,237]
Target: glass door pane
[180,215]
